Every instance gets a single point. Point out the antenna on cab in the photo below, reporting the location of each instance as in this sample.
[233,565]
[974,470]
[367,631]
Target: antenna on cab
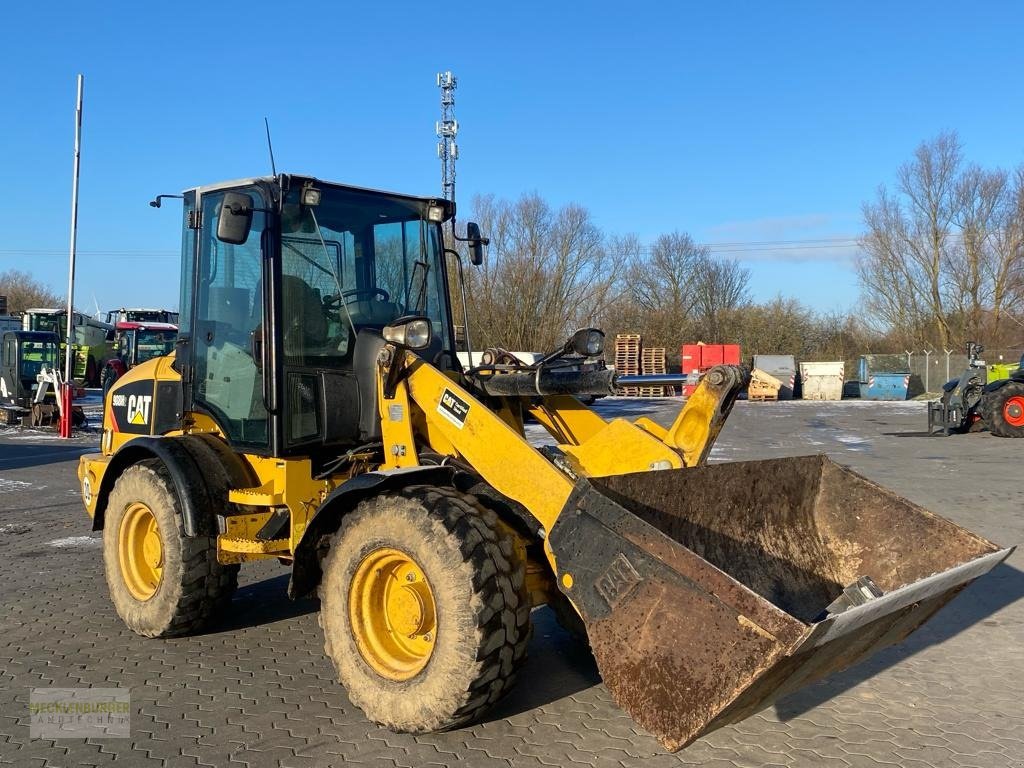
[270,147]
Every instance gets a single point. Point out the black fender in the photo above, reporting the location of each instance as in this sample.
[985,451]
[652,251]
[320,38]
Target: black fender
[995,386]
[343,499]
[202,468]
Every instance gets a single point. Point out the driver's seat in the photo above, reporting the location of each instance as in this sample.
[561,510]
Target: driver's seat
[305,328]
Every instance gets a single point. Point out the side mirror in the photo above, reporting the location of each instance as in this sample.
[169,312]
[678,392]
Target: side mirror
[235,218]
[476,244]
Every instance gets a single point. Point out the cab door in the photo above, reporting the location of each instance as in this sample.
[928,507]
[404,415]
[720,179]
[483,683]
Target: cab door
[228,376]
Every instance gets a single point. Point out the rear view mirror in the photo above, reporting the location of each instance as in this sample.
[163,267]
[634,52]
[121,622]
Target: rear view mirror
[476,244]
[235,218]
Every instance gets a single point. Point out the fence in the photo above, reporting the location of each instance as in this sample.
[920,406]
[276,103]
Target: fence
[929,370]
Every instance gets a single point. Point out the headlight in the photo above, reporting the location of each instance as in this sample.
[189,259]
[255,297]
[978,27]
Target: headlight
[587,342]
[409,332]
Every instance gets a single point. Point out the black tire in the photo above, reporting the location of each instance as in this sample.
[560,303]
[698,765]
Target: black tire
[995,409]
[92,374]
[568,619]
[482,607]
[193,587]
[108,379]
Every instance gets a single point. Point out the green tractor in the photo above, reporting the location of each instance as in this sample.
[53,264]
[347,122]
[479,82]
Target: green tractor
[1002,404]
[977,400]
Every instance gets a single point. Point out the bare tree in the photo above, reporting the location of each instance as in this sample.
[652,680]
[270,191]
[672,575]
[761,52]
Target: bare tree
[1004,270]
[662,286]
[24,291]
[722,287]
[908,238]
[942,256]
[546,272]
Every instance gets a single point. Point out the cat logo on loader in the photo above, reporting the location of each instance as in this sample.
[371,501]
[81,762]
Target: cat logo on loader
[138,409]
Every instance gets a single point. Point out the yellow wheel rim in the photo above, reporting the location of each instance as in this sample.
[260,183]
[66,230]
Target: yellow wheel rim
[140,551]
[393,615]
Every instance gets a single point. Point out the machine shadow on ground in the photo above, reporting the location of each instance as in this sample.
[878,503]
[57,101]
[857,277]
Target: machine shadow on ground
[263,602]
[1002,587]
[557,666]
[14,456]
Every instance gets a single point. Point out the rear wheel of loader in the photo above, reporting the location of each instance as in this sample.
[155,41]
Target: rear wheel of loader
[162,582]
[424,608]
[1005,410]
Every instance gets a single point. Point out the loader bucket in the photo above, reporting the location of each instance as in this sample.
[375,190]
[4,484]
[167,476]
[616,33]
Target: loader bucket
[710,592]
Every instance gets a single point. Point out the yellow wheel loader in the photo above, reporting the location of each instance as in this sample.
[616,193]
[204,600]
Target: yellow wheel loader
[315,412]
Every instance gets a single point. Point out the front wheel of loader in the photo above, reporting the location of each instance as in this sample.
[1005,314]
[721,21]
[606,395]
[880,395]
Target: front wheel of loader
[424,609]
[162,582]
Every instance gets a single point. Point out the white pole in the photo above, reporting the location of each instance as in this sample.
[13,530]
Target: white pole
[65,413]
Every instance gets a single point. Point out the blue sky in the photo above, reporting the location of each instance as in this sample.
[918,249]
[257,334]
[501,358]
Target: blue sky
[736,122]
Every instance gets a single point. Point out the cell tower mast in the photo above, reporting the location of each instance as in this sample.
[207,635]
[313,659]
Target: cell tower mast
[447,128]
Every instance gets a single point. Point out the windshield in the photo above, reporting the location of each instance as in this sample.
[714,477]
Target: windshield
[153,343]
[358,260]
[46,323]
[35,355]
[147,316]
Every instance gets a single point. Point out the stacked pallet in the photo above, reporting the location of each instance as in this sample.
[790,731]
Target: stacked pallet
[627,358]
[652,362]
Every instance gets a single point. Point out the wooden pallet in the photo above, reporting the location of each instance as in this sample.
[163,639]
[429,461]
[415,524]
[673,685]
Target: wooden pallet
[652,363]
[627,359]
[763,386]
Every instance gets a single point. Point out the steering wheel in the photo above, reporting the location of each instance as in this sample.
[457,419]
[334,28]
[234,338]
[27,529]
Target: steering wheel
[335,299]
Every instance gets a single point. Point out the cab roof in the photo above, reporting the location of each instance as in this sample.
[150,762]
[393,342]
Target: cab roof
[216,186]
[144,325]
[34,336]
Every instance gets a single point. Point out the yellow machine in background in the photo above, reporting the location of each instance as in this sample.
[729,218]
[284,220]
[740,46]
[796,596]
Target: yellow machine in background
[315,412]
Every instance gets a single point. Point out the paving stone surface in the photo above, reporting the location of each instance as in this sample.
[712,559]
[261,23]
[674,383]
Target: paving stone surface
[256,690]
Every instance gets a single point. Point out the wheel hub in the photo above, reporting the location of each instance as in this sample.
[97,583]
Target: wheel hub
[392,613]
[1013,411]
[140,551]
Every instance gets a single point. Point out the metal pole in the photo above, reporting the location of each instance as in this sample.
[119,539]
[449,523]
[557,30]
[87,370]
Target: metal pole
[948,353]
[65,394]
[927,365]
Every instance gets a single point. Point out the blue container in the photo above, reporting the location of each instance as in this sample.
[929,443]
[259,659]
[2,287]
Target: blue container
[883,377]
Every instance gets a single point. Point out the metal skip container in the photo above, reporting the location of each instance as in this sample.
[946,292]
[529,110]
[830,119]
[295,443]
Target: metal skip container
[883,377]
[710,592]
[822,381]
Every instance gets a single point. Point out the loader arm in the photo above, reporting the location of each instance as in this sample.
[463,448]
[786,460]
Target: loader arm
[709,591]
[455,422]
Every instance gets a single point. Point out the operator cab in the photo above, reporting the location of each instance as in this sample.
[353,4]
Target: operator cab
[288,285]
[136,341]
[23,355]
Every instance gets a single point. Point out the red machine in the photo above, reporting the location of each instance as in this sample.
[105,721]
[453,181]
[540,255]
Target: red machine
[137,342]
[698,358]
